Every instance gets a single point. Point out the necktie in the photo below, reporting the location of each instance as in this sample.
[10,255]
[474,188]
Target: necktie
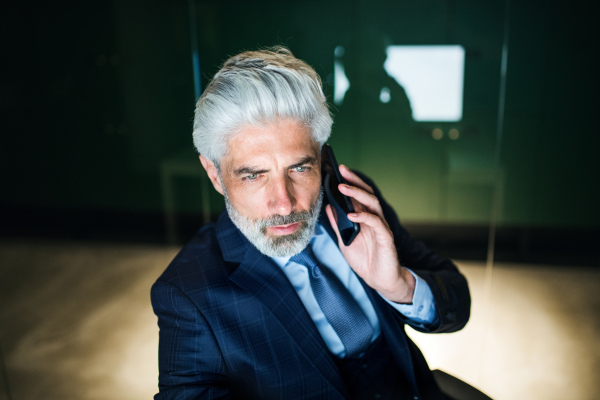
[341,309]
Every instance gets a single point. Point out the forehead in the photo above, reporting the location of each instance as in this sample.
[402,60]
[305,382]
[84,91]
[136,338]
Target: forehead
[277,141]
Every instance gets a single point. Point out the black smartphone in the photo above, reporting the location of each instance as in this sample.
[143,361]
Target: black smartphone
[341,204]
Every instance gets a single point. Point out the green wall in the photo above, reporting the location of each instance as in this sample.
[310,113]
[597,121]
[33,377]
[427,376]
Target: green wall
[97,95]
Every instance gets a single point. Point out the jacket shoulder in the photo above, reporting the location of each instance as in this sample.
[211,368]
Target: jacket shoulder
[199,263]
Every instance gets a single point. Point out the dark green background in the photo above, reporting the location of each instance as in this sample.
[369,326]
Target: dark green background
[96,95]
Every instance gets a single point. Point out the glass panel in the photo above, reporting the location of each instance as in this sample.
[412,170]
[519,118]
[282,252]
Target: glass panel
[420,112]
[435,169]
[414,88]
[441,167]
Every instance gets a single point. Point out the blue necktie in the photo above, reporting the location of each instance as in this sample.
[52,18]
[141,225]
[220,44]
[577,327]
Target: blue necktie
[341,309]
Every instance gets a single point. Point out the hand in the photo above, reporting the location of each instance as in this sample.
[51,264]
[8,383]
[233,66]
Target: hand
[372,254]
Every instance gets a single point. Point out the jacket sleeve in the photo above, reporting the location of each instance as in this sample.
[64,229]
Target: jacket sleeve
[448,286]
[189,359]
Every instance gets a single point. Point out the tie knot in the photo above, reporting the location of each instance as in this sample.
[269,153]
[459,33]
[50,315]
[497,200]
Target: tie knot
[307,257]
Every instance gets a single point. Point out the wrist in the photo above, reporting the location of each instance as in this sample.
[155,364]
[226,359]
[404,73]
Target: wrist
[403,291]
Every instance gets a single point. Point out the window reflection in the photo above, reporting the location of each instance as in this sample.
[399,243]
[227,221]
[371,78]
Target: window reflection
[432,77]
[341,82]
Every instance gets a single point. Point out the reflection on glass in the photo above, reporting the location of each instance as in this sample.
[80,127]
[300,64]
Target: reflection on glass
[385,95]
[453,134]
[341,83]
[432,77]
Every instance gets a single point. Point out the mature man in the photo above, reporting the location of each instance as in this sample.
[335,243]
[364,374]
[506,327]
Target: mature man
[268,303]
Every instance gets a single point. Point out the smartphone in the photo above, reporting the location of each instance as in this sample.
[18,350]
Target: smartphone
[341,204]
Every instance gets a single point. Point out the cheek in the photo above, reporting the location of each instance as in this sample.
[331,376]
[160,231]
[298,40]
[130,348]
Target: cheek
[310,193]
[250,203]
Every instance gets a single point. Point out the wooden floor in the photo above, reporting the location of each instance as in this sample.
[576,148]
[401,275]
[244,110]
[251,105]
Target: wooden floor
[76,323]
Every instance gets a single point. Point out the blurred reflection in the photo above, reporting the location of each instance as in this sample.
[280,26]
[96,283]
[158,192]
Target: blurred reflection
[375,109]
[341,83]
[433,77]
[378,93]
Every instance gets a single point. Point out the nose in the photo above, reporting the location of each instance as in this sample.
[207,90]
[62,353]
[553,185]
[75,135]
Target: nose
[282,198]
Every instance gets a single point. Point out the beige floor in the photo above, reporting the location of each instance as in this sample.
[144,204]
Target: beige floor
[76,323]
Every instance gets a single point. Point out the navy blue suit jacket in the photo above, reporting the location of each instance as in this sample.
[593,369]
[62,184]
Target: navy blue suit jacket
[232,326]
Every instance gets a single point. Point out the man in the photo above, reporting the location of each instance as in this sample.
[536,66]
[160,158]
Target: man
[253,307]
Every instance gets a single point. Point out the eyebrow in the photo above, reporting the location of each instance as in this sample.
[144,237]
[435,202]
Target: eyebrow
[246,170]
[306,160]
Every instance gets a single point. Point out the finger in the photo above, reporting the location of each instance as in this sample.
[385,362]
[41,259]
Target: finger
[380,227]
[333,221]
[365,199]
[354,179]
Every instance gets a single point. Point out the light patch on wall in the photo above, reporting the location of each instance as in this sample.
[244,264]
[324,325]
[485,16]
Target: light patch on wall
[432,77]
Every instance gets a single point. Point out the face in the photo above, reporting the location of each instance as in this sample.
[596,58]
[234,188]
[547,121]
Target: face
[271,180]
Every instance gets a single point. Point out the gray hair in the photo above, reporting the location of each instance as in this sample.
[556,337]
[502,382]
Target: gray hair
[254,88]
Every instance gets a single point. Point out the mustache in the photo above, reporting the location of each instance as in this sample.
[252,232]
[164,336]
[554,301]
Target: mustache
[291,218]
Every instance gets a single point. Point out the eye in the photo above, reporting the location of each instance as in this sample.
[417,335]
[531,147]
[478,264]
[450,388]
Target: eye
[251,177]
[300,169]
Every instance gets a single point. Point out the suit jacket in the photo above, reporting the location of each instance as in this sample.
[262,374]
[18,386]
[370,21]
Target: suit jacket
[232,326]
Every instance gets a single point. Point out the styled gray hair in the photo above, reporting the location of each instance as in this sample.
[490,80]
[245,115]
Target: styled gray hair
[254,88]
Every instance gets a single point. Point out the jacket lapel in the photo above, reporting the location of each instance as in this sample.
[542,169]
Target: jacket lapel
[258,275]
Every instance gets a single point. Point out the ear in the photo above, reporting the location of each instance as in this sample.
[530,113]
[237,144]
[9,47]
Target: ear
[212,172]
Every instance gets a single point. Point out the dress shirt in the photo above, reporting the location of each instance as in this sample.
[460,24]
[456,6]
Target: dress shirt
[421,312]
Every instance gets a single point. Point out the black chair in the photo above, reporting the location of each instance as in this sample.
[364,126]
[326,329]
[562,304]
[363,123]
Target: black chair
[457,389]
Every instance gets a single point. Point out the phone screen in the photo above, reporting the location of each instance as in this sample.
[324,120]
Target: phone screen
[341,204]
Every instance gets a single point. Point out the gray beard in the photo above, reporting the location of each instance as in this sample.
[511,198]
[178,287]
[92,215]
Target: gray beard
[277,246]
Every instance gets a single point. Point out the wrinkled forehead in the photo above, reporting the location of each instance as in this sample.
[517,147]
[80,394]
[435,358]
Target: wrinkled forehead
[275,142]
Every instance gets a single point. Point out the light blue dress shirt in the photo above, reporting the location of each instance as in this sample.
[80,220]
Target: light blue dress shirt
[421,312]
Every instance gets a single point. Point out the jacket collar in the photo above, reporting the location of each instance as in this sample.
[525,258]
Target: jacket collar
[233,243]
